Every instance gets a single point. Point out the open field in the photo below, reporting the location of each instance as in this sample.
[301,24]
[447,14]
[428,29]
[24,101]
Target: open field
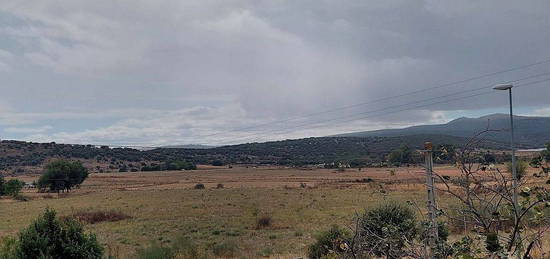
[164,205]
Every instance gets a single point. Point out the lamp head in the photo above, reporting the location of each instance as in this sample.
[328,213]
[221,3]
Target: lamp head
[503,86]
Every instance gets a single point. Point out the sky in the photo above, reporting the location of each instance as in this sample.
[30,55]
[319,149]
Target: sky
[222,72]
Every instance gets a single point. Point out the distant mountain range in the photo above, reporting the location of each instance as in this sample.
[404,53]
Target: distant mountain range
[18,157]
[531,132]
[189,146]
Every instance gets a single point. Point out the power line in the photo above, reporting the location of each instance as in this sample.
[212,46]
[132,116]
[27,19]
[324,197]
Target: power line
[386,98]
[352,117]
[364,103]
[391,107]
[367,117]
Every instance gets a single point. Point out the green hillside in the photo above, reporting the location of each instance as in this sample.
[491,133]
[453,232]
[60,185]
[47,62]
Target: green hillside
[531,132]
[21,157]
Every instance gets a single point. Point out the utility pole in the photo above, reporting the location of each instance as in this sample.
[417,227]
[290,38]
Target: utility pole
[432,207]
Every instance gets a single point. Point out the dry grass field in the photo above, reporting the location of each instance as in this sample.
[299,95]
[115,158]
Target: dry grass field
[164,205]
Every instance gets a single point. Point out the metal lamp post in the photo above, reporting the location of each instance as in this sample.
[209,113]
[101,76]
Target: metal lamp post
[504,87]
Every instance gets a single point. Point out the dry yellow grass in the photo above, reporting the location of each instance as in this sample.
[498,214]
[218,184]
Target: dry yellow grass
[164,205]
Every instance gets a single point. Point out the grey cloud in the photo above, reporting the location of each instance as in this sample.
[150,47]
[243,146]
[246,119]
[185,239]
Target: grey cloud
[254,62]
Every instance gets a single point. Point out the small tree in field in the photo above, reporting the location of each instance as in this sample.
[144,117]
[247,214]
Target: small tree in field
[62,175]
[13,187]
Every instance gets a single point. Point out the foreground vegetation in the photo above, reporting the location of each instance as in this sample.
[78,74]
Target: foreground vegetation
[50,237]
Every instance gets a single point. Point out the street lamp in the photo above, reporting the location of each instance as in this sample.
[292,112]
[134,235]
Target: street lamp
[508,87]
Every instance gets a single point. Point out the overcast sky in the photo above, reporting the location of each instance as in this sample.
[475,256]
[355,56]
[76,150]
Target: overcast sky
[199,71]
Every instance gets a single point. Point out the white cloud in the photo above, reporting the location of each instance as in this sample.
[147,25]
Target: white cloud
[28,130]
[542,112]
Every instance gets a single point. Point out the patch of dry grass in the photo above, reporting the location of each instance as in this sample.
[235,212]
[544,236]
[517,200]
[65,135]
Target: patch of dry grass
[97,216]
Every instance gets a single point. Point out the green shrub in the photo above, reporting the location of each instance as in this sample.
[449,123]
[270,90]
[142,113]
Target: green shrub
[402,155]
[2,182]
[155,251]
[182,247]
[386,229]
[265,252]
[8,248]
[464,248]
[13,187]
[333,241]
[521,168]
[217,163]
[48,237]
[177,165]
[199,186]
[492,243]
[225,249]
[263,222]
[185,248]
[442,249]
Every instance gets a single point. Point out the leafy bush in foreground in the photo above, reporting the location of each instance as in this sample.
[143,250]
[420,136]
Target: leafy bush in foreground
[333,241]
[386,230]
[49,237]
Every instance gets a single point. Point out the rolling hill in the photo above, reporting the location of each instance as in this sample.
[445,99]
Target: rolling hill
[19,157]
[360,147]
[531,132]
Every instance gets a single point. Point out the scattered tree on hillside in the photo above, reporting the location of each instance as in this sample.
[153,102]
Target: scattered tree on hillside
[217,162]
[170,165]
[402,155]
[62,175]
[445,153]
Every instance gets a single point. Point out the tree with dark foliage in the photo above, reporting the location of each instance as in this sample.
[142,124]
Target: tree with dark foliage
[402,155]
[62,175]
